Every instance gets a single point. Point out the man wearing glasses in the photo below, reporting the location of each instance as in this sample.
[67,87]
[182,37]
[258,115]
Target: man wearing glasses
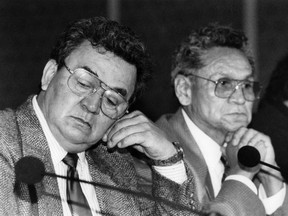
[79,127]
[213,78]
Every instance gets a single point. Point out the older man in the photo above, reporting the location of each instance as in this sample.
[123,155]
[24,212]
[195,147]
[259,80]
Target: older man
[79,127]
[214,82]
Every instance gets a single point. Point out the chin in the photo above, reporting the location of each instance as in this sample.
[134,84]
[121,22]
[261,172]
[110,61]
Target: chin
[234,126]
[82,135]
[80,145]
[238,121]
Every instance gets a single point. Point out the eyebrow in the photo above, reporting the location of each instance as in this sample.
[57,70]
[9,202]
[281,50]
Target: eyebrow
[121,91]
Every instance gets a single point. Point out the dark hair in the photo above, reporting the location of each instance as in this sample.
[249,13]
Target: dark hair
[277,89]
[111,36]
[188,56]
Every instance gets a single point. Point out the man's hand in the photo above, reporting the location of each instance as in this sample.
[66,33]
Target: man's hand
[244,136]
[270,178]
[136,130]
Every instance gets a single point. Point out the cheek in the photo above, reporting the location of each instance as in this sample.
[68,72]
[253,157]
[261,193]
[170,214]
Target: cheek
[249,108]
[100,125]
[215,112]
[212,109]
[62,100]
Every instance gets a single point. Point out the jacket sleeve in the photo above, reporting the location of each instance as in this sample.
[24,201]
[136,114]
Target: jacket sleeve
[173,198]
[236,199]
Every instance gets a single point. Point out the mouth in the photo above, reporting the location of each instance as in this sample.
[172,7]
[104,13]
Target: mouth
[238,116]
[81,122]
[238,113]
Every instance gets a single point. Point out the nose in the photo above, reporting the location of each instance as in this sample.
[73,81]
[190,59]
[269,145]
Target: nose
[237,95]
[92,103]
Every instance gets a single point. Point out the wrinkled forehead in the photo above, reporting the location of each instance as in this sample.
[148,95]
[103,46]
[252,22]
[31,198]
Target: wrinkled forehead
[228,62]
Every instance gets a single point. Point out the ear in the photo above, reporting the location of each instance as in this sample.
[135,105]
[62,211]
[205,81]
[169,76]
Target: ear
[48,73]
[285,102]
[182,86]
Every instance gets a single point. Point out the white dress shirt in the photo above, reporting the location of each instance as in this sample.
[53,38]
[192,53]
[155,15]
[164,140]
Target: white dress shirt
[211,152]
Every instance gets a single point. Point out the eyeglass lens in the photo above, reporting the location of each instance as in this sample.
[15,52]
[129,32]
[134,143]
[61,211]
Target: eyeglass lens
[225,87]
[82,83]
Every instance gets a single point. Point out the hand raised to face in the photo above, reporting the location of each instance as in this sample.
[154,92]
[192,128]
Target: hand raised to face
[136,130]
[270,178]
[247,136]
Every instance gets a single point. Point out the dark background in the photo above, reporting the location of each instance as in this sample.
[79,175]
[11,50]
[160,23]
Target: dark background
[28,30]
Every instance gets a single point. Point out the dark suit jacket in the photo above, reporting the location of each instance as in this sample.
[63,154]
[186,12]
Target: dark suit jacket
[234,197]
[21,135]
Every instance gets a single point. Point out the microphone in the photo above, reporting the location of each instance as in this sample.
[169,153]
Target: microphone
[31,170]
[249,157]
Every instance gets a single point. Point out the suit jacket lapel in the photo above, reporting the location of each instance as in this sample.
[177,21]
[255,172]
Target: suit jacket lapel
[34,144]
[194,157]
[111,172]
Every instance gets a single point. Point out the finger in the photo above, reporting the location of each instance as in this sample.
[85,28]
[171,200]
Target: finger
[258,137]
[136,140]
[127,116]
[120,134]
[262,149]
[248,137]
[105,136]
[132,139]
[235,140]
[129,120]
[130,115]
[228,137]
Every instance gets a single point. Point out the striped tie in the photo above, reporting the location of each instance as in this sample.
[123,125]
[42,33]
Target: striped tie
[76,200]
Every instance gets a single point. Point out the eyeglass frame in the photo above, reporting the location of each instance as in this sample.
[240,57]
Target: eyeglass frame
[105,88]
[239,82]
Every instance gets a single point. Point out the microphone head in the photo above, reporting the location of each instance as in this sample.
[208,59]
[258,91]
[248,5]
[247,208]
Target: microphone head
[29,170]
[248,156]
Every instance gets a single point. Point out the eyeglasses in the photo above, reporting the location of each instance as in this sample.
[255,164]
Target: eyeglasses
[225,87]
[84,83]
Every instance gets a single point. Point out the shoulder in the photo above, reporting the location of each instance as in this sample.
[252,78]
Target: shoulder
[10,147]
[169,120]
[7,123]
[10,133]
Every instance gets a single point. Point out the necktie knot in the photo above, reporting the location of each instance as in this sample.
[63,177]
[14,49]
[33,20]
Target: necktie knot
[226,167]
[71,160]
[224,161]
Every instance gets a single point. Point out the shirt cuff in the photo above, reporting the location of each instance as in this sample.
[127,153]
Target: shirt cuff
[244,180]
[272,203]
[176,172]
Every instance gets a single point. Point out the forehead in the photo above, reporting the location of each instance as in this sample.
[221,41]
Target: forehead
[111,69]
[227,62]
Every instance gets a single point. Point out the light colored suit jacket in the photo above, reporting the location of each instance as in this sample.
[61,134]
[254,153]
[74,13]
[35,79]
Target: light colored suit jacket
[234,197]
[21,135]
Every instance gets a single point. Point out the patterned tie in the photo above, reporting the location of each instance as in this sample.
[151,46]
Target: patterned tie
[75,197]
